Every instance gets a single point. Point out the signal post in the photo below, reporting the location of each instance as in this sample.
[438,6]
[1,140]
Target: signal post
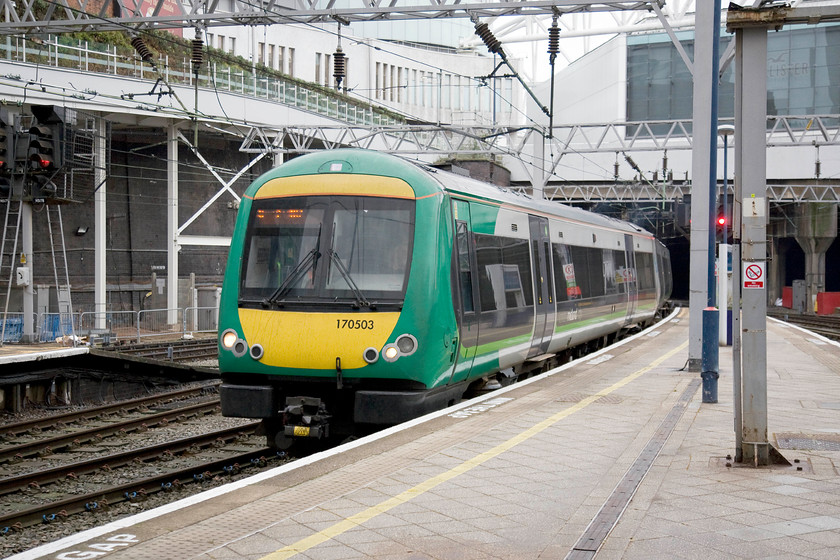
[29,160]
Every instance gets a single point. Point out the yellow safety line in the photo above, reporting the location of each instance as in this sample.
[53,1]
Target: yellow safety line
[355,520]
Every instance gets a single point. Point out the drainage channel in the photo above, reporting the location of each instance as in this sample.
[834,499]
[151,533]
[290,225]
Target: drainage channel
[607,517]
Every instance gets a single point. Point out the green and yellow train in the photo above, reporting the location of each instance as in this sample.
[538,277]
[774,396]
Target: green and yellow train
[363,289]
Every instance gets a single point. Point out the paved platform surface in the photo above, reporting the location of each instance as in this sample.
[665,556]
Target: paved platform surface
[543,470]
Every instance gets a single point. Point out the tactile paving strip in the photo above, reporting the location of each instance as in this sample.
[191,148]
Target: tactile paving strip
[814,442]
[611,511]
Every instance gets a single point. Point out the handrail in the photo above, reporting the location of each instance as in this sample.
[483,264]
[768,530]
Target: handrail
[105,60]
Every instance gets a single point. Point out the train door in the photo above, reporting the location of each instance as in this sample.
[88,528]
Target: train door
[631,278]
[543,286]
[466,297]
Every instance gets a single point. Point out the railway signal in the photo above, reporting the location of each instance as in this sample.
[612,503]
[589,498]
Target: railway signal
[46,139]
[7,152]
[7,144]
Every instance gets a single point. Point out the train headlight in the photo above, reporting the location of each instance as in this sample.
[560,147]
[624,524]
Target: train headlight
[240,348]
[390,353]
[257,351]
[229,339]
[407,344]
[371,355]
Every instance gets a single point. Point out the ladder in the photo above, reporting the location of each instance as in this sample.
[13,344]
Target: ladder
[8,252]
[60,272]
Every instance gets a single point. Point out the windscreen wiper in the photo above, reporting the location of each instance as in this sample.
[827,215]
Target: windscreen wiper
[339,264]
[297,273]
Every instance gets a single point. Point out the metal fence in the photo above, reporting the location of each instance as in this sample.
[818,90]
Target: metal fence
[113,326]
[106,59]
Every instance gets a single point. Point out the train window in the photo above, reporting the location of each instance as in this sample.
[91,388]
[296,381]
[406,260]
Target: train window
[502,283]
[623,275]
[597,282]
[279,239]
[338,250]
[464,269]
[488,253]
[372,243]
[580,260]
[516,253]
[565,278]
[644,268]
[616,274]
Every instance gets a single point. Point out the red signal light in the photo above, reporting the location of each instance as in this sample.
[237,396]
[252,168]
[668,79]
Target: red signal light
[721,220]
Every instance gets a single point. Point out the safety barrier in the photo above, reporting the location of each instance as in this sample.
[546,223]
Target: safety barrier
[113,326]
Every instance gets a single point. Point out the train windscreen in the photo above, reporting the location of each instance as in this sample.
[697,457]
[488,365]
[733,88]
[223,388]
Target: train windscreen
[328,250]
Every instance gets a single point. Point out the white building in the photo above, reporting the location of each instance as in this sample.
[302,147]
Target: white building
[412,68]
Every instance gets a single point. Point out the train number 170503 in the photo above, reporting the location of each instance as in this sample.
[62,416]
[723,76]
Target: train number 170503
[362,324]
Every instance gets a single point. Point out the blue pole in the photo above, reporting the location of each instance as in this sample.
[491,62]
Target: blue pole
[709,358]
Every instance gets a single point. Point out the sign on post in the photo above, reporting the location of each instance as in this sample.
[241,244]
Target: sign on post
[753,275]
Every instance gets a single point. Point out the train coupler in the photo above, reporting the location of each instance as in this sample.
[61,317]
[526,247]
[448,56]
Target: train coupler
[305,417]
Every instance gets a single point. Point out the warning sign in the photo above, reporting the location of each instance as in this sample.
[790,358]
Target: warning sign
[753,275]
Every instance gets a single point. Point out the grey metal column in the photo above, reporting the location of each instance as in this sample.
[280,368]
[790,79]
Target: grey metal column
[751,170]
[100,280]
[699,254]
[172,246]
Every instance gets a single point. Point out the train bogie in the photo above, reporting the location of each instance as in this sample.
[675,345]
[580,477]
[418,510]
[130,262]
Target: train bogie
[362,289]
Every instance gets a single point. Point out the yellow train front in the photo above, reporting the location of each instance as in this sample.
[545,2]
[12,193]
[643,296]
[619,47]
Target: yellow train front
[364,290]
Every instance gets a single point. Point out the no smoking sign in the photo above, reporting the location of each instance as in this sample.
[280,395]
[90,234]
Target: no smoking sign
[753,275]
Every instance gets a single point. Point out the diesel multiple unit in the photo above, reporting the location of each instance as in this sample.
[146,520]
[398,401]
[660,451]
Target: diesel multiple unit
[362,289]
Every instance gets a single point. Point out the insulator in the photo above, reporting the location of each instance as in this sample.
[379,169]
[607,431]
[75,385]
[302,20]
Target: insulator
[197,52]
[339,65]
[493,44]
[140,46]
[554,38]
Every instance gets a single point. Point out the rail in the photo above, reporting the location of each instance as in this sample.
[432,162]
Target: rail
[107,59]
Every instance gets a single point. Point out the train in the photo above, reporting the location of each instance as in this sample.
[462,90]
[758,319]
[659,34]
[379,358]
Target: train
[363,290]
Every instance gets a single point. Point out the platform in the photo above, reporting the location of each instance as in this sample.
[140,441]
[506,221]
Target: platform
[614,453]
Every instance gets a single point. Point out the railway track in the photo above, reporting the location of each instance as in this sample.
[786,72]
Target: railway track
[826,325]
[94,467]
[73,477]
[173,350]
[74,438]
[62,419]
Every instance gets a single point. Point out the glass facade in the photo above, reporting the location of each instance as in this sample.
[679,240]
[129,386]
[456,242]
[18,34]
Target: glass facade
[803,75]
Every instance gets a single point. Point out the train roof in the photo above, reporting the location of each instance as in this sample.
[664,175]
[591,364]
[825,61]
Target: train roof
[427,180]
[468,186]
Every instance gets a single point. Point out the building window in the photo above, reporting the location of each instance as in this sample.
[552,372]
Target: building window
[327,67]
[317,68]
[291,61]
[271,62]
[232,45]
[261,53]
[346,83]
